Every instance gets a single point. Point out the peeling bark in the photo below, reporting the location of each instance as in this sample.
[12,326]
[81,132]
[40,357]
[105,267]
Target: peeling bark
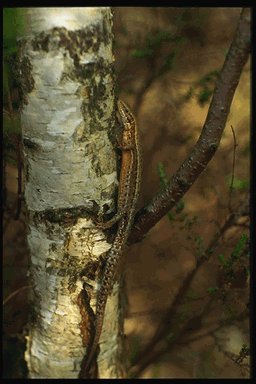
[66,77]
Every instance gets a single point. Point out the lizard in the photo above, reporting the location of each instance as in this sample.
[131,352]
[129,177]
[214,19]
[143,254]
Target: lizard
[128,192]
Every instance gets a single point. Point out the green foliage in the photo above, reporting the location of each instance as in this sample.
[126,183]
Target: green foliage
[244,352]
[142,53]
[204,95]
[189,94]
[179,206]
[233,273]
[238,183]
[190,221]
[240,247]
[199,243]
[229,263]
[162,175]
[152,46]
[222,260]
[209,252]
[212,290]
[155,40]
[203,88]
[208,78]
[168,62]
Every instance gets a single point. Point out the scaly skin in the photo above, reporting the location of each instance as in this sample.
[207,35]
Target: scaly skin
[128,192]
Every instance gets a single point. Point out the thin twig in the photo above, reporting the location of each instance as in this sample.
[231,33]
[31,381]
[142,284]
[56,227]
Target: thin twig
[14,293]
[233,170]
[151,352]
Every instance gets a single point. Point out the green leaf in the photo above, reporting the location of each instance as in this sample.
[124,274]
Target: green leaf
[189,94]
[240,184]
[162,174]
[199,241]
[239,248]
[180,206]
[170,216]
[156,39]
[209,78]
[204,87]
[212,290]
[222,260]
[168,63]
[142,53]
[204,96]
[209,251]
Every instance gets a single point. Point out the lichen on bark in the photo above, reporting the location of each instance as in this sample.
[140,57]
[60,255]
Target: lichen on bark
[68,118]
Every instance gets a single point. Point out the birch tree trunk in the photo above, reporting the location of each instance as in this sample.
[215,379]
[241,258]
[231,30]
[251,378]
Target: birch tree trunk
[67,83]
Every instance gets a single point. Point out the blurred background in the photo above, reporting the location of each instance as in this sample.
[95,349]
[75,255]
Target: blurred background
[167,63]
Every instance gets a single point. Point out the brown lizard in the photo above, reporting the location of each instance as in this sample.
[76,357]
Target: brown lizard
[128,192]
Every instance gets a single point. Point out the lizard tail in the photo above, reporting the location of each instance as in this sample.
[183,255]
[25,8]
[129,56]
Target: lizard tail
[96,338]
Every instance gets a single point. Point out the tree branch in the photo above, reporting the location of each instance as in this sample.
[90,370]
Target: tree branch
[159,344]
[209,139]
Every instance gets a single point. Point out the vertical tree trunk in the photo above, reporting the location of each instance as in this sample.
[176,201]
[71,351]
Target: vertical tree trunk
[67,83]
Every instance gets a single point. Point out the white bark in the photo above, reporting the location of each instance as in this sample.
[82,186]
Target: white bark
[66,75]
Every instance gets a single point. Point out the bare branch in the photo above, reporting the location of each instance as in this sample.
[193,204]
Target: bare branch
[159,344]
[209,139]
